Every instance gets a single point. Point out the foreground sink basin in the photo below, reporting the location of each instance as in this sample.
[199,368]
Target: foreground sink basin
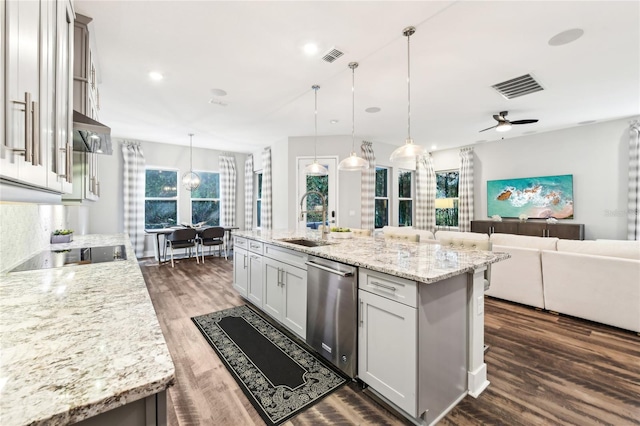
[305,242]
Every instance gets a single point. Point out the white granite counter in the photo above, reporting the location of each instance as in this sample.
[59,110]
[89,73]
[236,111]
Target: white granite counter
[422,262]
[79,340]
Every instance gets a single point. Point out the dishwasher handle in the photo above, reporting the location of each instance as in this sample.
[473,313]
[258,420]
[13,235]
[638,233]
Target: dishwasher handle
[331,270]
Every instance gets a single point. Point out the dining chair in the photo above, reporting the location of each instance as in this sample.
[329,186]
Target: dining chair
[404,237]
[181,238]
[361,232]
[213,236]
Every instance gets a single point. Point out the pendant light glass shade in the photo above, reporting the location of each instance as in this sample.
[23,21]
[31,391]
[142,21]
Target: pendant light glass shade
[353,163]
[190,180]
[409,150]
[315,168]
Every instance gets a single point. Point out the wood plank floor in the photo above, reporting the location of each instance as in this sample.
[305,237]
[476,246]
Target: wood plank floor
[544,369]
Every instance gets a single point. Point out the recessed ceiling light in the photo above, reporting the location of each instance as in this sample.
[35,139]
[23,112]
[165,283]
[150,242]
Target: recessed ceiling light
[218,92]
[310,49]
[334,121]
[155,76]
[372,110]
[566,37]
[434,147]
[587,122]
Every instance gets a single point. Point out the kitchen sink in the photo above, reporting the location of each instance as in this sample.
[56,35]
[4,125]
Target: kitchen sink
[305,242]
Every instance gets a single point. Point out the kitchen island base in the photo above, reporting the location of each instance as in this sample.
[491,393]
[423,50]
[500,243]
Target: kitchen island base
[149,411]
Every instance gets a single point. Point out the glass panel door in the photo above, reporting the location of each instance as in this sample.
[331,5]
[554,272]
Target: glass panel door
[326,185]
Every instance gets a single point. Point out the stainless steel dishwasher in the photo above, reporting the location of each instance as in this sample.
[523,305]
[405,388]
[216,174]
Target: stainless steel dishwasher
[332,312]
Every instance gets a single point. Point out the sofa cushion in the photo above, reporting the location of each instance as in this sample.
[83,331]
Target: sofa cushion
[611,248]
[524,241]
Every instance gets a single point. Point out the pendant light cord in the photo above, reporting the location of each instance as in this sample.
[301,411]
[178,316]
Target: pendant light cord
[315,138]
[353,106]
[409,86]
[191,152]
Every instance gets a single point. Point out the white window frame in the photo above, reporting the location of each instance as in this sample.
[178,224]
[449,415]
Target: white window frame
[412,190]
[191,199]
[257,180]
[388,197]
[176,198]
[455,199]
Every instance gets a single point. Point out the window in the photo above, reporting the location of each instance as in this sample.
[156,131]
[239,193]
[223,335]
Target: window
[405,198]
[205,200]
[382,197]
[160,198]
[447,198]
[258,198]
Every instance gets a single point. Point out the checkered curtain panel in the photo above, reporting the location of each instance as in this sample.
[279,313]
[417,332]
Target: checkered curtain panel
[425,194]
[265,212]
[368,188]
[248,193]
[633,209]
[465,190]
[133,189]
[227,190]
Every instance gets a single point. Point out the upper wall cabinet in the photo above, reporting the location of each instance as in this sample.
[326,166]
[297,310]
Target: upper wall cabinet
[85,101]
[36,112]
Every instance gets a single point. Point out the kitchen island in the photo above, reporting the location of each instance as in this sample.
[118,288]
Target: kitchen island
[420,310]
[82,343]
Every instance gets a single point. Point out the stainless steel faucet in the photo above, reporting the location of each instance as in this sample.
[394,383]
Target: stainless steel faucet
[325,227]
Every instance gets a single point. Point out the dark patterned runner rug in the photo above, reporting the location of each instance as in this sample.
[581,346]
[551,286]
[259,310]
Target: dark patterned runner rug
[280,377]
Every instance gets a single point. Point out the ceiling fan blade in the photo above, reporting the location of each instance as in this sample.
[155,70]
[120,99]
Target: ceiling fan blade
[524,121]
[489,128]
[499,118]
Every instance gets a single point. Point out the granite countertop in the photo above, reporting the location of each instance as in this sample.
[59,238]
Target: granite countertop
[79,340]
[422,262]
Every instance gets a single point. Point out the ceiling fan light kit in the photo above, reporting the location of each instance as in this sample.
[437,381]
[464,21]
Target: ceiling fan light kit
[315,168]
[505,125]
[409,150]
[353,163]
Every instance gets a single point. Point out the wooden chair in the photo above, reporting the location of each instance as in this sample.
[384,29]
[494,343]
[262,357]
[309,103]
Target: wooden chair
[181,238]
[213,236]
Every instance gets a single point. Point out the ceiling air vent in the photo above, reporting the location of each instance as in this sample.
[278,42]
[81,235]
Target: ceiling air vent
[332,55]
[518,86]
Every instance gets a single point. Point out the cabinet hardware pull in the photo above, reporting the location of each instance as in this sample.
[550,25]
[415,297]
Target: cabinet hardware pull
[28,127]
[68,169]
[244,261]
[361,313]
[35,139]
[388,287]
[325,268]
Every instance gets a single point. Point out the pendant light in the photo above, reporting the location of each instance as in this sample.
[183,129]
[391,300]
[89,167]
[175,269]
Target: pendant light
[409,149]
[316,169]
[190,180]
[353,163]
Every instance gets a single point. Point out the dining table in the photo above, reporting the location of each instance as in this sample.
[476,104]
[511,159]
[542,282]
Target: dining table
[158,232]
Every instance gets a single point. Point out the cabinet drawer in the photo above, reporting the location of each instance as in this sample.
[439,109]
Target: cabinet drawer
[292,257]
[240,243]
[255,246]
[393,288]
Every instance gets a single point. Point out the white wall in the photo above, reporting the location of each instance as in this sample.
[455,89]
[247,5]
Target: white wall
[107,214]
[596,155]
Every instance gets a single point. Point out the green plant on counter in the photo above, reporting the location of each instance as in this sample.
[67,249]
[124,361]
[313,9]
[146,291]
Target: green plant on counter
[336,229]
[63,232]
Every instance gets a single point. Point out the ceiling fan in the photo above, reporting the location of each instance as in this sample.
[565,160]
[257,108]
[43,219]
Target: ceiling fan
[504,124]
